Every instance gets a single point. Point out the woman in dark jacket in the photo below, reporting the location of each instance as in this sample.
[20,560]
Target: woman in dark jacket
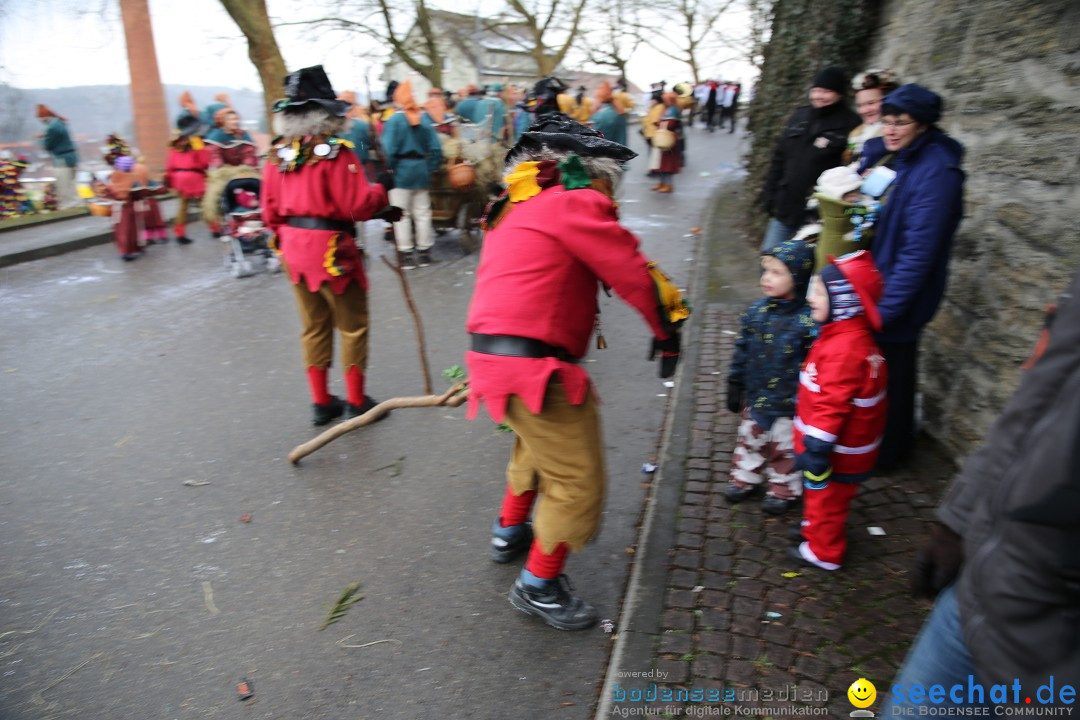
[921,210]
[813,141]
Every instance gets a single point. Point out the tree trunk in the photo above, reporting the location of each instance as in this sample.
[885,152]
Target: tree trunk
[254,21]
[147,95]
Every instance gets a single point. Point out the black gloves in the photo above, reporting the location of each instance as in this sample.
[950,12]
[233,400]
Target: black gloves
[386,179]
[390,213]
[669,354]
[736,393]
[938,563]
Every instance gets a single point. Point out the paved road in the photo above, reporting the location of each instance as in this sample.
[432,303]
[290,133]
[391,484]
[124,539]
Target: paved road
[148,406]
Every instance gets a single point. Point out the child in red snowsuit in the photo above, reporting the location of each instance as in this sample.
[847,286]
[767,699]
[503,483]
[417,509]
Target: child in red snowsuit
[841,405]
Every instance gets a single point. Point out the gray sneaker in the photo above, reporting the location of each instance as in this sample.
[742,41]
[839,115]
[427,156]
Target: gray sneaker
[423,258]
[554,604]
[405,260]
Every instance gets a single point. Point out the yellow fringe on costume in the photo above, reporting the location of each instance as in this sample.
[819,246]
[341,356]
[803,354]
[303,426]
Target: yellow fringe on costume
[216,180]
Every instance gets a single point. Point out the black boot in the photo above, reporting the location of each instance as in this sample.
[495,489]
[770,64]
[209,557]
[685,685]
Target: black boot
[330,411]
[554,604]
[352,411]
[773,505]
[509,546]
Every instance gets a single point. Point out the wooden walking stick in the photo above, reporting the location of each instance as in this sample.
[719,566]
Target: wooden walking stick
[451,398]
[416,321]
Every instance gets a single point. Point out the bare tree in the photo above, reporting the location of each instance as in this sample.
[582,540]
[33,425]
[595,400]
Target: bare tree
[689,31]
[254,22]
[14,110]
[417,44]
[615,35]
[550,28]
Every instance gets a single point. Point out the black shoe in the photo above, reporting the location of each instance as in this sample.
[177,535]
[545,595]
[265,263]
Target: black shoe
[330,411]
[352,411]
[183,240]
[423,258]
[773,505]
[504,551]
[794,533]
[736,494]
[554,604]
[405,260]
[128,257]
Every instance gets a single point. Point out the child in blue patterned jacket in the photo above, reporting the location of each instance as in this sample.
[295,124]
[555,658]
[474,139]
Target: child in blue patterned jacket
[775,334]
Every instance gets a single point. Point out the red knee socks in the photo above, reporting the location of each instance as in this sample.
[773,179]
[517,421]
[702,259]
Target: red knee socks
[354,385]
[516,508]
[544,566]
[317,382]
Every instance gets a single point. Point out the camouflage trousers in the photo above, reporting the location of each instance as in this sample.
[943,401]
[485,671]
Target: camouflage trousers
[766,456]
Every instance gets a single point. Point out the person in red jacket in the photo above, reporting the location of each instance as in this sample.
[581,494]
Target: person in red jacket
[552,239]
[186,165]
[313,194]
[841,407]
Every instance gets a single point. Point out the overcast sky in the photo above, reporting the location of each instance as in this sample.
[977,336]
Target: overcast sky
[48,44]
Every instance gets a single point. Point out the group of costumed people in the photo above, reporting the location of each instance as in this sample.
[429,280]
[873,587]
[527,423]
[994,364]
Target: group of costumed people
[533,310]
[140,223]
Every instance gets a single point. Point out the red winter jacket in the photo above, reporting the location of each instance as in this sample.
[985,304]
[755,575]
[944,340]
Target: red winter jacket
[185,170]
[840,408]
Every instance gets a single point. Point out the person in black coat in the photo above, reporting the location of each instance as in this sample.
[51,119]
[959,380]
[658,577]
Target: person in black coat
[813,141]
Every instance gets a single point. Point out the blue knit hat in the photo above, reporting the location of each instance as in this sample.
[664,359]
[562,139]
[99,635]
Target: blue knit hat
[915,100]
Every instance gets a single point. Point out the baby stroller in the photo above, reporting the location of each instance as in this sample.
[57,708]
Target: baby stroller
[249,250]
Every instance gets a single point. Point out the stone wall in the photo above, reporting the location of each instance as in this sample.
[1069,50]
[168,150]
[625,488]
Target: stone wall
[1009,71]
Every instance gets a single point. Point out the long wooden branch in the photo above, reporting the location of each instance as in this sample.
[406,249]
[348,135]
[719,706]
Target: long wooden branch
[416,320]
[453,397]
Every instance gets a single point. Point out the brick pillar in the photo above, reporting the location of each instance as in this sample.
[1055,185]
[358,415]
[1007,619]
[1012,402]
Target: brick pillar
[152,127]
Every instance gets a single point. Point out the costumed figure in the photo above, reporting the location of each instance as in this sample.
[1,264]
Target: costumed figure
[126,232]
[650,122]
[531,317]
[57,142]
[665,159]
[232,155]
[13,198]
[313,194]
[490,112]
[608,119]
[207,118]
[624,103]
[186,165]
[148,221]
[358,132]
[436,109]
[584,107]
[466,106]
[413,154]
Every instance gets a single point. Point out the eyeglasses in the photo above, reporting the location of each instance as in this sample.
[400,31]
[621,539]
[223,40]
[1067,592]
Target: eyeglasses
[893,124]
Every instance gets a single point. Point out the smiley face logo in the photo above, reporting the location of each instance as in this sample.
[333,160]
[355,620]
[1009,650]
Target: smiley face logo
[862,693]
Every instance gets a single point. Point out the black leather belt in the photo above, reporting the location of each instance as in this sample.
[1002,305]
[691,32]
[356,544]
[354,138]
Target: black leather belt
[514,346]
[409,156]
[314,223]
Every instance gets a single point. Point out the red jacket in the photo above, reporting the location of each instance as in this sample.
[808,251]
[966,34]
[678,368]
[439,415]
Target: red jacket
[332,188]
[185,170]
[840,408]
[539,276]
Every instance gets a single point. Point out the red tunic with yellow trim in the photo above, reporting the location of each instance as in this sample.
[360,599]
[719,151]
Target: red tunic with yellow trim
[334,188]
[841,400]
[538,278]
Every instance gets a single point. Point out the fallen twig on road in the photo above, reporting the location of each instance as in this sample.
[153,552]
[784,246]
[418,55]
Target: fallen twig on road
[342,643]
[451,398]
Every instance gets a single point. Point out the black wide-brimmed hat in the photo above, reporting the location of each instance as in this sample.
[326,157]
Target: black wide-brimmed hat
[187,124]
[310,85]
[557,130]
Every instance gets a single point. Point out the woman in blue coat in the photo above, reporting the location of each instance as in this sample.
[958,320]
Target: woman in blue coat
[921,209]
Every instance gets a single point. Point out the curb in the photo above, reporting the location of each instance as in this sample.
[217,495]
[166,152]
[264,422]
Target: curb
[639,623]
[66,246]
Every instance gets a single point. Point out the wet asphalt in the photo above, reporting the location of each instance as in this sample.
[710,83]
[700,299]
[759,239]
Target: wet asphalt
[158,548]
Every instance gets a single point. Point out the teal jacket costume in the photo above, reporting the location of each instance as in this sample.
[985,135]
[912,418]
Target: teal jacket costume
[57,142]
[413,152]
